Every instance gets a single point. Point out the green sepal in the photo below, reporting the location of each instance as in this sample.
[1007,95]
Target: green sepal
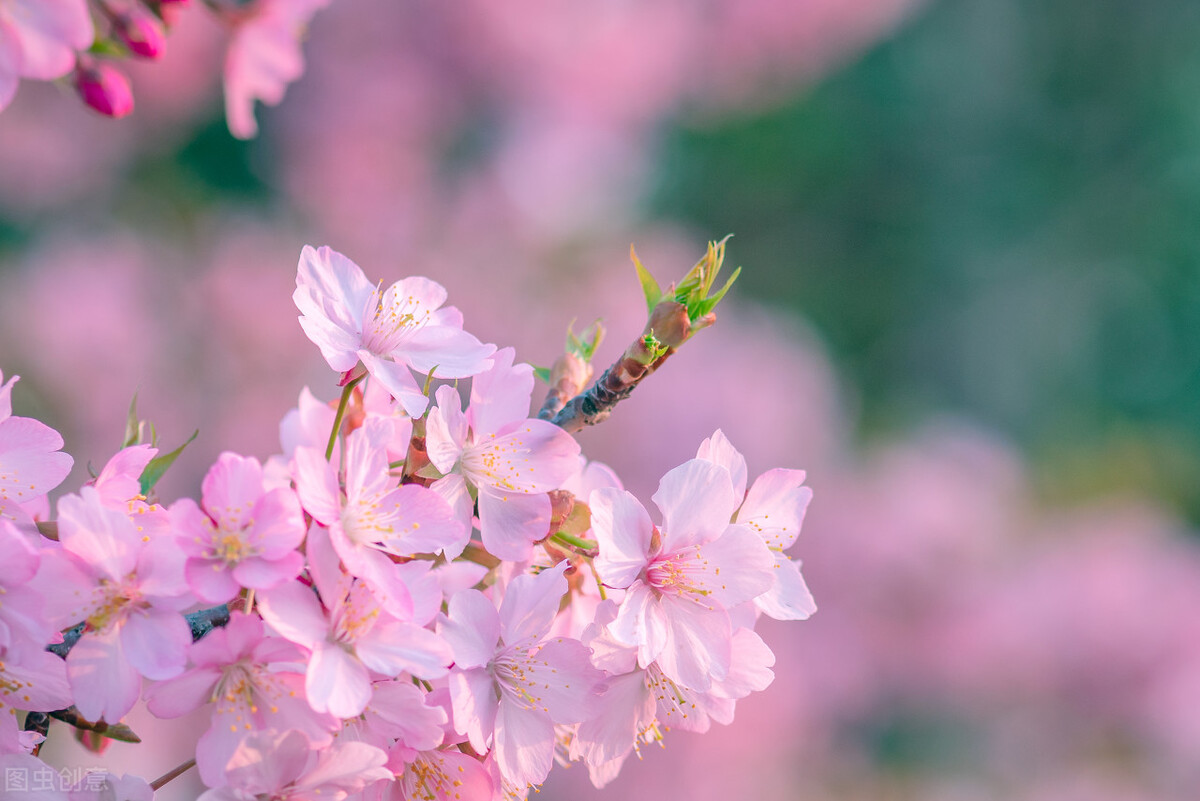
[133,426]
[542,374]
[159,464]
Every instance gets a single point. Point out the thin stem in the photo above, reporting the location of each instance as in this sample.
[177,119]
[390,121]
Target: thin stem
[578,543]
[599,583]
[341,414]
[171,774]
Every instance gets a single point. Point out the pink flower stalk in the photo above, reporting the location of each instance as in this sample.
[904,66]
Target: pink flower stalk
[682,577]
[104,87]
[510,685]
[263,58]
[253,682]
[128,587]
[30,461]
[350,634]
[283,766]
[374,516]
[774,508]
[38,39]
[389,331]
[243,537]
[496,451]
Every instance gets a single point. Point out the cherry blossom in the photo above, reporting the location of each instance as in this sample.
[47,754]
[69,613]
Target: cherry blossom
[496,451]
[30,461]
[391,332]
[774,508]
[128,587]
[243,537]
[682,577]
[510,685]
[255,685]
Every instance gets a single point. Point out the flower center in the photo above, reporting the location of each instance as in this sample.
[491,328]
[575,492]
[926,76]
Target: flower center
[680,573]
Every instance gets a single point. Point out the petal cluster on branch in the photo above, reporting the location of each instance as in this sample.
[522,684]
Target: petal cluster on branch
[430,594]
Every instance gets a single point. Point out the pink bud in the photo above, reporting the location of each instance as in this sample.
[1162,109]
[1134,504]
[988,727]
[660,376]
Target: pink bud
[105,88]
[141,33]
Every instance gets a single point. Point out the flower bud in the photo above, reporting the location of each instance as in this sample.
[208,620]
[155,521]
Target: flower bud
[103,87]
[141,33]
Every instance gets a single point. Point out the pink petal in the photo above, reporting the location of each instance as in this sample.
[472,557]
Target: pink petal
[346,767]
[565,681]
[398,380]
[102,537]
[446,352]
[698,648]
[210,580]
[331,291]
[697,502]
[445,429]
[510,522]
[531,603]
[737,567]
[50,32]
[294,611]
[719,450]
[182,694]
[37,683]
[103,683]
[317,485]
[500,395]
[627,707]
[395,648]
[789,598]
[523,456]
[775,506]
[623,530]
[261,574]
[20,562]
[336,682]
[474,703]
[472,628]
[231,489]
[524,744]
[156,643]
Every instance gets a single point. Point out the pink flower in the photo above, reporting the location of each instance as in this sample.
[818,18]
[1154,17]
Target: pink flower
[285,767]
[389,331]
[443,775]
[774,508]
[350,634]
[374,516]
[30,463]
[244,537]
[38,39]
[253,682]
[682,577]
[128,586]
[264,57]
[510,685]
[510,460]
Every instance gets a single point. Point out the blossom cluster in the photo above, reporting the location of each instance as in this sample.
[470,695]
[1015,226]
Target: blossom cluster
[84,40]
[430,593]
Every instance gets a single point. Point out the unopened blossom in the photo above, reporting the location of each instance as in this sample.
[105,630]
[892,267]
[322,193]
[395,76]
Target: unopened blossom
[390,331]
[243,536]
[254,685]
[511,684]
[774,509]
[496,451]
[349,633]
[283,766]
[683,576]
[38,39]
[128,586]
[30,461]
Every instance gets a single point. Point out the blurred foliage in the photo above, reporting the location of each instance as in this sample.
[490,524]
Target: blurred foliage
[993,214]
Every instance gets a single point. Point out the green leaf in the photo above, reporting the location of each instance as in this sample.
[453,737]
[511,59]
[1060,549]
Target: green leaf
[133,428]
[650,287]
[542,373]
[159,464]
[706,305]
